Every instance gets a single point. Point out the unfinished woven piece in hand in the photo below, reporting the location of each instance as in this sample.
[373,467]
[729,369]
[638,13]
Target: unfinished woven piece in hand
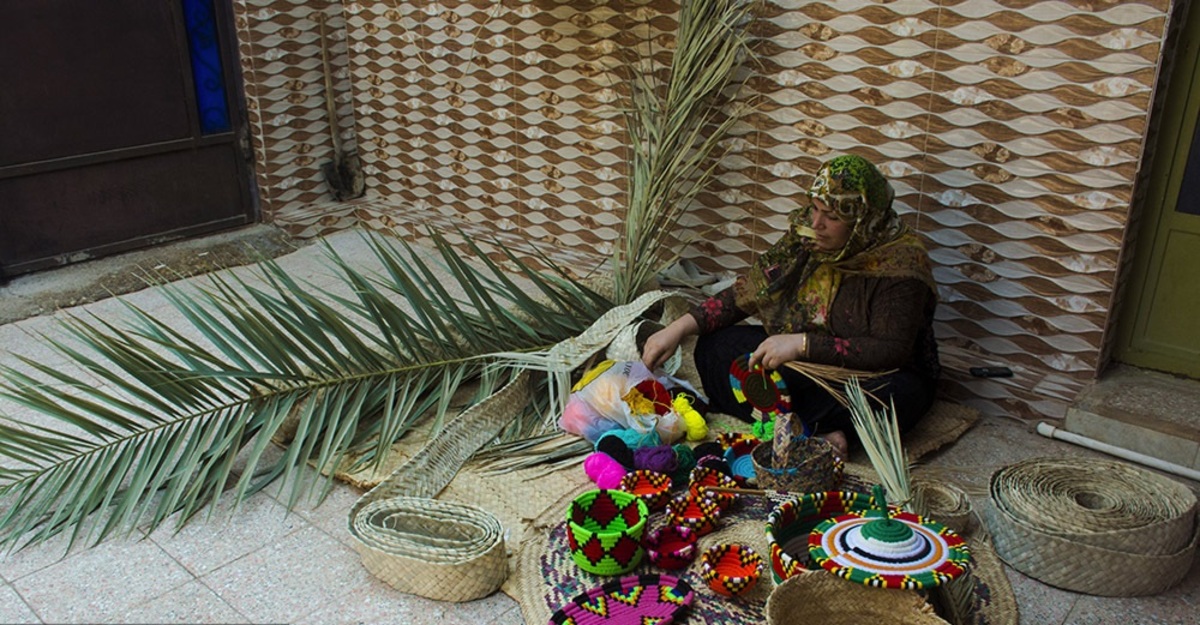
[1094,526]
[436,549]
[632,600]
[889,549]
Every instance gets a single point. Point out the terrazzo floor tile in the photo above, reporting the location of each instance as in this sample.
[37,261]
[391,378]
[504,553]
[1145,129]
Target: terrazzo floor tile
[192,602]
[332,514]
[16,564]
[102,582]
[292,577]
[1175,606]
[1037,603]
[376,602]
[13,609]
[205,544]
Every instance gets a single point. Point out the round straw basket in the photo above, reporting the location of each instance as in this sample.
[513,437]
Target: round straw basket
[818,597]
[815,467]
[1093,526]
[436,549]
[943,502]
[790,523]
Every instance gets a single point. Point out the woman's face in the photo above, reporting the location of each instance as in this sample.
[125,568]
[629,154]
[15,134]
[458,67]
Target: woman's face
[832,233]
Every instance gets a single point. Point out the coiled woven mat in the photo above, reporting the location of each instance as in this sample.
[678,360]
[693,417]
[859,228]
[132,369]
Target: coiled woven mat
[1093,526]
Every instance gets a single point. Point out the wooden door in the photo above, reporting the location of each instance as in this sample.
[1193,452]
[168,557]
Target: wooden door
[1160,326]
[120,127]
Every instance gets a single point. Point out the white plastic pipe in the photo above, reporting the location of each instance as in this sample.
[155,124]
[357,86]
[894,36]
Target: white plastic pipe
[1049,431]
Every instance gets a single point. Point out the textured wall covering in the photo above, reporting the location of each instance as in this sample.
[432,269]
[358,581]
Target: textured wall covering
[1013,131]
[280,54]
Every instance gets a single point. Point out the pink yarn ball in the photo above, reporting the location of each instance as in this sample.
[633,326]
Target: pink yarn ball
[603,470]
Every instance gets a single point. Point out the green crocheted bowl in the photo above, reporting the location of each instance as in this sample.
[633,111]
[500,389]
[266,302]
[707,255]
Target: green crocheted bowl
[605,531]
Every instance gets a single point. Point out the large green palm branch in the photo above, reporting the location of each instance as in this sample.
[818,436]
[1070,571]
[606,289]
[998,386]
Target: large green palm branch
[272,374]
[181,417]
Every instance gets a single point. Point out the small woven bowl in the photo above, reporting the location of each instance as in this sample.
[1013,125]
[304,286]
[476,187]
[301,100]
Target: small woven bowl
[671,546]
[605,531]
[708,476]
[699,513]
[650,486]
[730,569]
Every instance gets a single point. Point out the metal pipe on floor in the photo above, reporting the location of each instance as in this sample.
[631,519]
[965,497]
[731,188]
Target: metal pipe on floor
[1050,431]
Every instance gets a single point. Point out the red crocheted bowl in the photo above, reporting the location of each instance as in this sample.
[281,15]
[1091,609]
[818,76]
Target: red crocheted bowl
[650,486]
[730,569]
[698,513]
[671,546]
[701,477]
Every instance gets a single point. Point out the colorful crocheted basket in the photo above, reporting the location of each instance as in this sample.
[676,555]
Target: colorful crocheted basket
[632,600]
[791,522]
[708,476]
[730,569]
[605,531]
[671,546]
[888,549]
[763,389]
[652,487]
[700,513]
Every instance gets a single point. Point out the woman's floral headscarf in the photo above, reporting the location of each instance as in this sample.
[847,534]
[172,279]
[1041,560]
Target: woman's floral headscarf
[792,285]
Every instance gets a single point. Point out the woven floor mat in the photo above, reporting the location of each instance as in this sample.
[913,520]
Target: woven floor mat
[543,575]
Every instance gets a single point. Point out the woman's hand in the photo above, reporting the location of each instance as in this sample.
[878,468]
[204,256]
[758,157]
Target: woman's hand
[778,349]
[662,344]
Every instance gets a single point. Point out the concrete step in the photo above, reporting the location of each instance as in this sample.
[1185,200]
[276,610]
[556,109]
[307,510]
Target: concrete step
[1152,413]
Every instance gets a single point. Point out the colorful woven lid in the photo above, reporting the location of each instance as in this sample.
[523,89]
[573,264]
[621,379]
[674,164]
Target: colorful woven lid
[632,600]
[763,389]
[888,549]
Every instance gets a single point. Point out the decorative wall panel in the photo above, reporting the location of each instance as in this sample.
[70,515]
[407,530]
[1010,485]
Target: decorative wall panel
[1013,131]
[280,54]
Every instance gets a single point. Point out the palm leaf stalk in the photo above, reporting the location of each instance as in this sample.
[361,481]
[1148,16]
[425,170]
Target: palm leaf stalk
[675,131]
[181,417]
[880,435]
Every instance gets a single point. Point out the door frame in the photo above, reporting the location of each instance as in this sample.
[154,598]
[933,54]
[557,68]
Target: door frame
[1173,142]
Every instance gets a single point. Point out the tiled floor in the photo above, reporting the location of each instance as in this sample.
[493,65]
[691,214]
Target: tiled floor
[264,565]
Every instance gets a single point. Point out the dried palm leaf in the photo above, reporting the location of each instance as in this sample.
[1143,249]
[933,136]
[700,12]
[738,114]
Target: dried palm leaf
[833,378]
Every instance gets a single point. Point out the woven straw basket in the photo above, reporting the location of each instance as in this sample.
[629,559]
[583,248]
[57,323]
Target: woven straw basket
[943,502]
[820,597]
[436,549]
[816,467]
[1093,526]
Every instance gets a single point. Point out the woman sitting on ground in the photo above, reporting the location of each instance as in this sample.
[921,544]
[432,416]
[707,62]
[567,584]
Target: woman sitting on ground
[848,285]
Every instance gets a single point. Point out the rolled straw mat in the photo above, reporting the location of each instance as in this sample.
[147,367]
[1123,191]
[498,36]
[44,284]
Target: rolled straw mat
[1093,526]
[437,549]
[820,597]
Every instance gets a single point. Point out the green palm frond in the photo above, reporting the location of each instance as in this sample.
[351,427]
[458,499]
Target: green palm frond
[186,412]
[182,416]
[675,133]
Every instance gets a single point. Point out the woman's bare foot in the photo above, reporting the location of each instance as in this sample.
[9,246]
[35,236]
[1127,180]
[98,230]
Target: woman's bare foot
[837,438]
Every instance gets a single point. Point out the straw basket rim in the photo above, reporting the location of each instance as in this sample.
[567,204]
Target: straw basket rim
[820,597]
